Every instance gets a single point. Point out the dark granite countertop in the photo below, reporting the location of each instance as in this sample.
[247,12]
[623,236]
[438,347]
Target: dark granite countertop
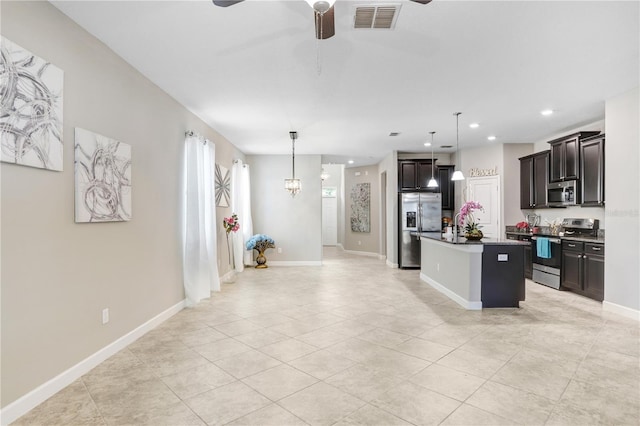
[461,240]
[585,239]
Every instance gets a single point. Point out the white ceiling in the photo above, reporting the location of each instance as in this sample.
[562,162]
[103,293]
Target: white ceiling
[254,71]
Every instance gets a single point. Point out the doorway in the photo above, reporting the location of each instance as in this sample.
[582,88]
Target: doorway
[383,215]
[486,191]
[329,216]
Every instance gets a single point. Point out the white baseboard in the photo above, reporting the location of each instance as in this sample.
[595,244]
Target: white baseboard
[621,310]
[382,257]
[340,246]
[27,402]
[294,263]
[361,253]
[390,264]
[473,306]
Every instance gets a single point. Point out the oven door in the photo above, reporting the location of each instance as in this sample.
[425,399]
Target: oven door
[556,253]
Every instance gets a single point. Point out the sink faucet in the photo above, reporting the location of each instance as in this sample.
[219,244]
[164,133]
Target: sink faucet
[455,224]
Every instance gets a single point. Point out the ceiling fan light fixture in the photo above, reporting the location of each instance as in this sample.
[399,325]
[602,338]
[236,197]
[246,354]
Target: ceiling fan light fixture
[321,6]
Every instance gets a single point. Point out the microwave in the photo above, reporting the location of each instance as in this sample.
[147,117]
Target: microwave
[562,194]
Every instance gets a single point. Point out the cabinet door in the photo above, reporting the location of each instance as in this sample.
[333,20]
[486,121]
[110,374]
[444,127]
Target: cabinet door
[407,176]
[424,175]
[556,173]
[571,270]
[446,186]
[571,155]
[594,276]
[526,183]
[592,171]
[541,178]
[528,262]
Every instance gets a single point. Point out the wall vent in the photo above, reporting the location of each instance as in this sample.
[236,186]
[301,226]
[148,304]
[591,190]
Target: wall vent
[376,16]
[446,146]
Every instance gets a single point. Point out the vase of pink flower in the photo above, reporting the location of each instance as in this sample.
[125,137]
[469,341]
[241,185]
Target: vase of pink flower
[468,221]
[231,224]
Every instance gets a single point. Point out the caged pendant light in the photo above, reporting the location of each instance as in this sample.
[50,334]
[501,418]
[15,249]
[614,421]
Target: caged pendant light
[293,185]
[432,182]
[457,175]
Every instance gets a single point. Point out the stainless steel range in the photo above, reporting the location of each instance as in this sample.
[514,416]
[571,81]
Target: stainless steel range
[546,250]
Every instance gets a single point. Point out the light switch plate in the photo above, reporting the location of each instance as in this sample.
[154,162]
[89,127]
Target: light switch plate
[503,257]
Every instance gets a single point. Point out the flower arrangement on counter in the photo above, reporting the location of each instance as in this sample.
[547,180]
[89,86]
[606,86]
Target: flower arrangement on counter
[468,222]
[522,226]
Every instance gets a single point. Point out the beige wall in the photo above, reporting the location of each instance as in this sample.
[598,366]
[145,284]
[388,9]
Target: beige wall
[622,189]
[363,241]
[511,182]
[57,276]
[294,223]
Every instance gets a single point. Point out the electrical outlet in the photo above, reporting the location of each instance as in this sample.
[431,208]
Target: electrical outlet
[279,250]
[438,267]
[105,315]
[359,243]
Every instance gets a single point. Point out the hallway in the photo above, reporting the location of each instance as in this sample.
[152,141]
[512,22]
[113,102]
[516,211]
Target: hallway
[355,342]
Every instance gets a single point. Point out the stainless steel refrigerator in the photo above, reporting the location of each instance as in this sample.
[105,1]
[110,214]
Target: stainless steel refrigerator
[419,212]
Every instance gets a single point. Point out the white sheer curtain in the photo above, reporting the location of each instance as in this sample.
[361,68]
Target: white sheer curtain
[199,216]
[241,205]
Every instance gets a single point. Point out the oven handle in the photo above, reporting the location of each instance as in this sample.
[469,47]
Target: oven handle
[551,240]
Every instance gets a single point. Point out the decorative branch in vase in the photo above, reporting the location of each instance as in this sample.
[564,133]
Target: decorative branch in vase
[261,243]
[467,220]
[231,224]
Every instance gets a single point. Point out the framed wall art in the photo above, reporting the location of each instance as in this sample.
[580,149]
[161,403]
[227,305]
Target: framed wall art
[360,207]
[31,119]
[103,178]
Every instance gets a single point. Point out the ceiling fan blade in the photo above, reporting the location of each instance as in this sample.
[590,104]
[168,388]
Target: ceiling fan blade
[325,24]
[422,1]
[226,3]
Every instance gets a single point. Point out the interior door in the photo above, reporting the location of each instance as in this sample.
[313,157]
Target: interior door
[486,191]
[329,221]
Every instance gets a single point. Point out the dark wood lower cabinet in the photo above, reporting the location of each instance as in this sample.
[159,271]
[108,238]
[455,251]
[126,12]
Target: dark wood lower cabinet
[583,269]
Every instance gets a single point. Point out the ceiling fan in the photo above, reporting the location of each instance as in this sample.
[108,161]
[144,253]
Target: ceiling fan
[322,14]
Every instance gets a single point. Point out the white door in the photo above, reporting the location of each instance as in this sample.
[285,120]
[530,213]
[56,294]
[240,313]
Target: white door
[329,221]
[486,191]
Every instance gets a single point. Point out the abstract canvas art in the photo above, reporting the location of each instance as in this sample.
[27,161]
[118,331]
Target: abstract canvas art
[31,115]
[360,201]
[223,186]
[103,178]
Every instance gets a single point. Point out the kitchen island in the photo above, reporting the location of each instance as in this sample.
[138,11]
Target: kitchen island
[475,274]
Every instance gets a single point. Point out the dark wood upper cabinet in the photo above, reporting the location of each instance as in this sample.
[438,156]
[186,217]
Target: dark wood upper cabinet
[534,176]
[565,157]
[592,170]
[414,175]
[447,186]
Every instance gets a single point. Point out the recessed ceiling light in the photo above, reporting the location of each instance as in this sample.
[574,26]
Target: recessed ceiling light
[491,138]
[427,144]
[350,161]
[474,125]
[546,112]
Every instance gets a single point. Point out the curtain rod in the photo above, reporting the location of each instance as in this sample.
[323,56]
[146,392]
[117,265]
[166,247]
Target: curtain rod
[192,133]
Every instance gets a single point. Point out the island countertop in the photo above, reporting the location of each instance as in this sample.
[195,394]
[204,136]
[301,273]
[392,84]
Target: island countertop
[461,240]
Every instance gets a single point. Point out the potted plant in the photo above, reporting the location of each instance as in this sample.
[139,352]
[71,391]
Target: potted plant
[260,242]
[468,222]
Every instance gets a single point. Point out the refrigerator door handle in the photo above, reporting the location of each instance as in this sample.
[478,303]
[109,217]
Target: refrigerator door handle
[419,219]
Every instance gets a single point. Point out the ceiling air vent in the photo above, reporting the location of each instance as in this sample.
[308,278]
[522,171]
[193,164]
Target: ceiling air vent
[446,146]
[376,17]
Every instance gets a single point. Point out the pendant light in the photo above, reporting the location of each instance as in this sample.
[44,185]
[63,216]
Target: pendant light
[457,175]
[432,182]
[293,185]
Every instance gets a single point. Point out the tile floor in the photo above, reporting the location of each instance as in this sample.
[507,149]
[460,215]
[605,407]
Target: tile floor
[354,342]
